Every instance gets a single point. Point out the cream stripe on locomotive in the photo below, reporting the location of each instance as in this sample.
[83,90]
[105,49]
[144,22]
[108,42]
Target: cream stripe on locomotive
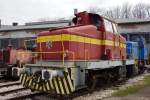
[51,84]
[58,85]
[66,86]
[76,38]
[37,85]
[24,79]
[48,86]
[27,79]
[44,87]
[61,86]
[30,82]
[21,77]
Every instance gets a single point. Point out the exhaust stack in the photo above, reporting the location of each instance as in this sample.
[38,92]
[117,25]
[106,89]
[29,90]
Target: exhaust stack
[75,11]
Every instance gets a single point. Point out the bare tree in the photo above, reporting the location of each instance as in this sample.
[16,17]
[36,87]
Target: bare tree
[109,14]
[117,12]
[139,11]
[113,13]
[126,11]
[147,9]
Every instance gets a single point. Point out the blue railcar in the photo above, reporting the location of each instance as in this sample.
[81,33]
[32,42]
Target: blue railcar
[143,53]
[138,51]
[132,50]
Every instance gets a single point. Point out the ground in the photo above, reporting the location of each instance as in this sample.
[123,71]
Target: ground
[143,94]
[138,93]
[106,93]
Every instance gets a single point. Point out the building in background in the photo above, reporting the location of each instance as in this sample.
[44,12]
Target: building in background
[15,35]
[135,28]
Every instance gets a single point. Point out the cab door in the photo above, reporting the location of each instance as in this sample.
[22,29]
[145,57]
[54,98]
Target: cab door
[117,50]
[108,40]
[112,38]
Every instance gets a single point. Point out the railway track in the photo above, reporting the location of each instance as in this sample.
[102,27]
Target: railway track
[9,83]
[107,89]
[14,90]
[99,92]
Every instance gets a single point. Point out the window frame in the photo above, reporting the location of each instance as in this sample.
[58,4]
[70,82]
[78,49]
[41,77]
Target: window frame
[107,24]
[115,28]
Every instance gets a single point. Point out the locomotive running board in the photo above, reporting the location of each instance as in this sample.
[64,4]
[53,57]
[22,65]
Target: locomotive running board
[102,64]
[56,85]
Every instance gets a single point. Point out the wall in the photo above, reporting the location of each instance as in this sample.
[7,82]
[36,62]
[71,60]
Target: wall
[15,38]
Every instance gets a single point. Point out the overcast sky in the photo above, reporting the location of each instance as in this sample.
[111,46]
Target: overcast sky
[33,10]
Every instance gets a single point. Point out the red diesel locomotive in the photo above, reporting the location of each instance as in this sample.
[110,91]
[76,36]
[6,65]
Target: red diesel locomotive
[74,57]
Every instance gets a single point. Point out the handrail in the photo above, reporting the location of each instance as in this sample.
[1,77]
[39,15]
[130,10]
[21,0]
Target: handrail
[63,50]
[86,56]
[57,52]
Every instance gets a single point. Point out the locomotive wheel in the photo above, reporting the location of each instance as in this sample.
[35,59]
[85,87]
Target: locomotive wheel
[122,73]
[141,69]
[135,70]
[92,83]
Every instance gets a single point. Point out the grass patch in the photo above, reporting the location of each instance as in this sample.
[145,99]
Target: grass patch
[147,80]
[133,89]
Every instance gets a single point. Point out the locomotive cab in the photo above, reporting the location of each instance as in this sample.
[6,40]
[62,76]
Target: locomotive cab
[106,27]
[85,18]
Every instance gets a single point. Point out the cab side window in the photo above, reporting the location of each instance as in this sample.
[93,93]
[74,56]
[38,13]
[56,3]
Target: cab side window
[115,28]
[108,26]
[95,20]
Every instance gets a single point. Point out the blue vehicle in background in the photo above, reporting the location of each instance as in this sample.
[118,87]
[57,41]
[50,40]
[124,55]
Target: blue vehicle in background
[132,50]
[137,50]
[143,53]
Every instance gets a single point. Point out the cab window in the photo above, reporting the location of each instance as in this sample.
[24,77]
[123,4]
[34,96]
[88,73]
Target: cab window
[115,28]
[108,25]
[95,20]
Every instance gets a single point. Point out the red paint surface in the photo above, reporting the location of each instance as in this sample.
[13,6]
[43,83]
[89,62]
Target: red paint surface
[84,51]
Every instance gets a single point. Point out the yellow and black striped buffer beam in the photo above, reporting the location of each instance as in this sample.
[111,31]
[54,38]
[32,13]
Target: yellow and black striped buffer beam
[56,85]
